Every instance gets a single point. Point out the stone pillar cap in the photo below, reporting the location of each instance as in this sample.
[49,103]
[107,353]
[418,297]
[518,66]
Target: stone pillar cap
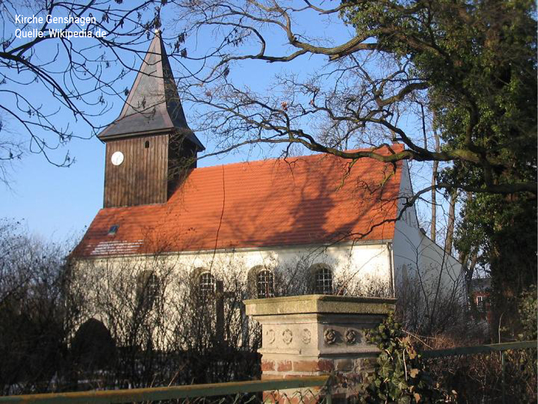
[318,304]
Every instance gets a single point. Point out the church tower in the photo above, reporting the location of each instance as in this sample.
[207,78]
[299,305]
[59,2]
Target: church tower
[149,147]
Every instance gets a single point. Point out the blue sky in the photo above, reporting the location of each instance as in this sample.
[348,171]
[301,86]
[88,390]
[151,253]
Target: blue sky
[58,203]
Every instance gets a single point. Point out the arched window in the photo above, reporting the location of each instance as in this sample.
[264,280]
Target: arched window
[265,284]
[323,280]
[206,284]
[147,289]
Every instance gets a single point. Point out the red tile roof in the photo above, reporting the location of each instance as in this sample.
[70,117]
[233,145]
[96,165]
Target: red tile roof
[297,201]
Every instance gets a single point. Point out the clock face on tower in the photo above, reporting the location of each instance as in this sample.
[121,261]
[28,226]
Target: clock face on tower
[117,158]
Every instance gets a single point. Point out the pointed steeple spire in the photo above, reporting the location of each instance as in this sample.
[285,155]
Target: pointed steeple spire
[153,104]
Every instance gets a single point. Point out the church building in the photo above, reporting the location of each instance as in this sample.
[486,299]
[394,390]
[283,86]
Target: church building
[311,224]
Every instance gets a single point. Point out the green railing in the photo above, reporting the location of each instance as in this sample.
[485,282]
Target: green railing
[235,391]
[479,349]
[243,392]
[483,349]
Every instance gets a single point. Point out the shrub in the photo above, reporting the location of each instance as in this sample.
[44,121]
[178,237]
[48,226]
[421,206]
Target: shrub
[400,375]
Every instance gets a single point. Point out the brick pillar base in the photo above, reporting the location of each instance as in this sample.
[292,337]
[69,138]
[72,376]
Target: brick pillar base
[317,334]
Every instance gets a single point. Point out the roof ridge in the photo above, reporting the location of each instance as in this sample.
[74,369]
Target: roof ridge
[262,161]
[317,155]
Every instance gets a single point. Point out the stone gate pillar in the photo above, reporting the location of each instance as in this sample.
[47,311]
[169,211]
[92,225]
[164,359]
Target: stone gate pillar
[317,334]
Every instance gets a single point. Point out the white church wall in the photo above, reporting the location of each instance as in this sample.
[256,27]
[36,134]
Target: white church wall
[354,266]
[110,284]
[419,258]
[420,261]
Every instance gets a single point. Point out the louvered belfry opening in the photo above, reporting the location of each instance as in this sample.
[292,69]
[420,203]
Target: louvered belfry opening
[150,148]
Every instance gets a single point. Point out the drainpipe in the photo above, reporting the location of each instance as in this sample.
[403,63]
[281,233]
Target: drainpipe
[391,268]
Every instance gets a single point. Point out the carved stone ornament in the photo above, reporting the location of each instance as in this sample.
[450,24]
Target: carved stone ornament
[287,336]
[307,336]
[270,334]
[350,336]
[330,336]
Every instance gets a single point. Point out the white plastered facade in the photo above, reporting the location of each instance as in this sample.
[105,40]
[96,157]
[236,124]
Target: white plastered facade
[420,261]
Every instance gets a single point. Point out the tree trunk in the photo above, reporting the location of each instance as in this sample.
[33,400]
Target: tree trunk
[451,222]
[435,169]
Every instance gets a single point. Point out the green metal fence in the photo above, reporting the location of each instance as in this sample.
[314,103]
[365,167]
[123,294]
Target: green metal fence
[309,389]
[484,349]
[302,389]
[479,349]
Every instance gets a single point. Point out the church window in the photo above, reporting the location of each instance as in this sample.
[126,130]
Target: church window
[146,145]
[147,289]
[265,284]
[481,303]
[323,281]
[206,284]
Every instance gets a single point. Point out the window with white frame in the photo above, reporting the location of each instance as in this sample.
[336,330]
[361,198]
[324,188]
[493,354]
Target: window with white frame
[481,303]
[206,284]
[265,284]
[323,281]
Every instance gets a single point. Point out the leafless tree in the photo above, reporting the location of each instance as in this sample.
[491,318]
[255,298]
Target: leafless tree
[50,83]
[171,322]
[366,93]
[35,316]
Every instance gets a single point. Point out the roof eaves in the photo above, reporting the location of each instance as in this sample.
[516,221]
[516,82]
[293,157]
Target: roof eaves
[347,243]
